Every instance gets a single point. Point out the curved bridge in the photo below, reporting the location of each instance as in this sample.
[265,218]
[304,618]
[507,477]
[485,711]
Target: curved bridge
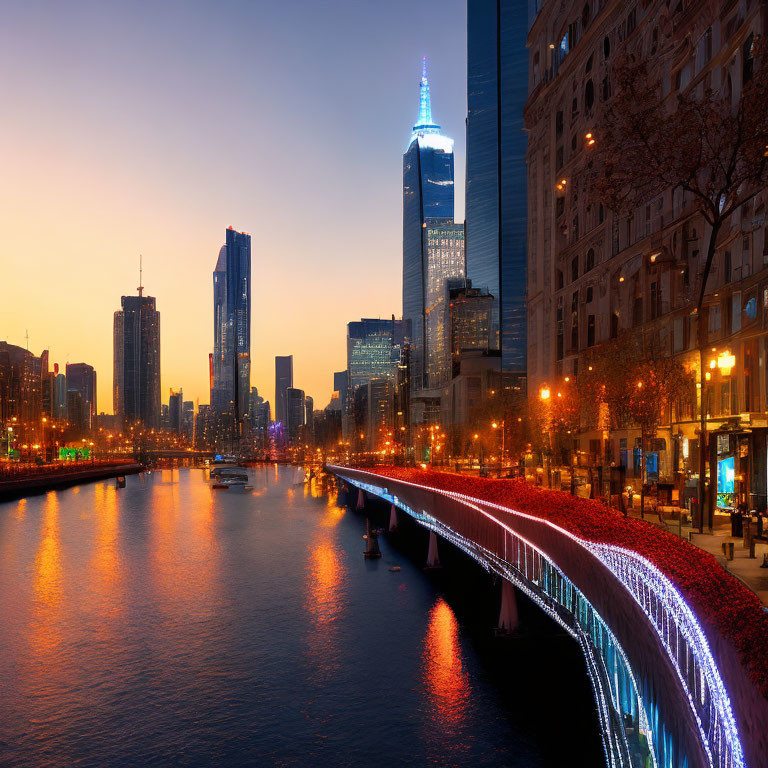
[663,699]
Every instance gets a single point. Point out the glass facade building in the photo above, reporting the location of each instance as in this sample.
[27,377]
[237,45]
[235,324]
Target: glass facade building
[283,381]
[373,349]
[136,371]
[81,378]
[427,195]
[232,326]
[295,406]
[444,251]
[497,81]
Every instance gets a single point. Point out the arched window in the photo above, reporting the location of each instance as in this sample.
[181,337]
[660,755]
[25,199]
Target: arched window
[585,15]
[590,260]
[606,47]
[588,68]
[589,94]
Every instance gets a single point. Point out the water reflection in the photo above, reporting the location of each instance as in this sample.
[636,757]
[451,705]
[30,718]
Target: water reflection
[445,680]
[324,604]
[169,624]
[105,560]
[47,581]
[45,626]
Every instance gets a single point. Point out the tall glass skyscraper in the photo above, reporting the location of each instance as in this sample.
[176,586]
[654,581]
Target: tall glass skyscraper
[283,382]
[373,349]
[136,372]
[497,81]
[427,203]
[232,326]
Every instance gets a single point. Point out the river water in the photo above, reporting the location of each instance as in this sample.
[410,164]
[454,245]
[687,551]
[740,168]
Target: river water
[168,624]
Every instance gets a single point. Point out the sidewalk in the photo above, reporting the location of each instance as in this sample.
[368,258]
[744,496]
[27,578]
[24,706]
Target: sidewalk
[747,570]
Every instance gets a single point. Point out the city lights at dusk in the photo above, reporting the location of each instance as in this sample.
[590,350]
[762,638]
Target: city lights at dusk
[384,384]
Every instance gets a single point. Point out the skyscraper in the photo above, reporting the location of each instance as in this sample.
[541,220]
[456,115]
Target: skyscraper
[136,372]
[175,410]
[295,408]
[60,397]
[373,349]
[427,198]
[496,169]
[283,380]
[231,374]
[82,378]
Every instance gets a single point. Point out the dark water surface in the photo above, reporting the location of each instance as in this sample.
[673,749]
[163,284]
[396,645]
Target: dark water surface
[167,624]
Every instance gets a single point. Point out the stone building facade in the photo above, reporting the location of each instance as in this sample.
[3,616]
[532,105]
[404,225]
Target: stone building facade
[593,275]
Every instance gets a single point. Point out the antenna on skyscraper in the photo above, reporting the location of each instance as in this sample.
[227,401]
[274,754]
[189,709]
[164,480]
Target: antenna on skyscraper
[141,287]
[27,337]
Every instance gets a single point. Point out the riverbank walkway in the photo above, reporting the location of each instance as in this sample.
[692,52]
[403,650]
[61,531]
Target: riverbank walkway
[20,480]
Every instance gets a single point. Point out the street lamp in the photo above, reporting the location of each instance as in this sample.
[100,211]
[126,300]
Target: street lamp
[545,394]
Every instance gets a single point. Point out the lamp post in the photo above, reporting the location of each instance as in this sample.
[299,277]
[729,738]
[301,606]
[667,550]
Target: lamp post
[545,395]
[495,425]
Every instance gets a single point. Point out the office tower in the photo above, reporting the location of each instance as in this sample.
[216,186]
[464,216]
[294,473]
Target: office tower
[231,369]
[433,245]
[283,380]
[188,420]
[496,169]
[471,316]
[48,379]
[175,410]
[81,378]
[136,372]
[21,401]
[77,413]
[295,408]
[340,384]
[60,397]
[380,417]
[309,420]
[444,249]
[373,349]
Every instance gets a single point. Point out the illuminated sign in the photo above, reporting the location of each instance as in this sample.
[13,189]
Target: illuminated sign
[726,474]
[74,454]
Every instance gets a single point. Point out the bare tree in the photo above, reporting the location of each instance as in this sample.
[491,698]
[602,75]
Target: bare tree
[700,143]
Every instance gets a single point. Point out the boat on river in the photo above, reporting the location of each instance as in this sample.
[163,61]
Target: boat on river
[230,478]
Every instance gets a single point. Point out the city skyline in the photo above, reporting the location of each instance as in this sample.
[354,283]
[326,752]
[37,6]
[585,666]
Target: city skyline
[165,194]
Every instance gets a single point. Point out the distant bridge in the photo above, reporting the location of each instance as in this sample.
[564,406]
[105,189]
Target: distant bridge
[667,694]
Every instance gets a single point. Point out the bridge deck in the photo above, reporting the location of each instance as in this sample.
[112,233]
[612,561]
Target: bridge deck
[699,597]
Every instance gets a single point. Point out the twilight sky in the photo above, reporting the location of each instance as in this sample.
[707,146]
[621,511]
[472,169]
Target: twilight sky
[150,126]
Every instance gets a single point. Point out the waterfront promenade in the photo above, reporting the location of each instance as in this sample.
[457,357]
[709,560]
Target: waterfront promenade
[23,479]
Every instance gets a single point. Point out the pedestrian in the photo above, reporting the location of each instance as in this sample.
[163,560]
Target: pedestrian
[741,513]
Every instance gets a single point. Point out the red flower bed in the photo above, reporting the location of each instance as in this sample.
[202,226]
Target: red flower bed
[716,597]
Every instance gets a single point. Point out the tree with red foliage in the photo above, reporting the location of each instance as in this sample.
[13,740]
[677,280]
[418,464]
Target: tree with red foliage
[699,143]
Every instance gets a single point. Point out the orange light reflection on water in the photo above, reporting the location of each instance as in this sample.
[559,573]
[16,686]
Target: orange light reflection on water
[445,680]
[45,627]
[324,604]
[105,561]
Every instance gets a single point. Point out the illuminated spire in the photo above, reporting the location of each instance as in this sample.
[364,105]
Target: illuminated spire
[424,124]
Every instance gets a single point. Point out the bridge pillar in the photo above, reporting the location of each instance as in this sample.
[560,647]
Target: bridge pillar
[360,499]
[508,616]
[372,541]
[392,518]
[433,559]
